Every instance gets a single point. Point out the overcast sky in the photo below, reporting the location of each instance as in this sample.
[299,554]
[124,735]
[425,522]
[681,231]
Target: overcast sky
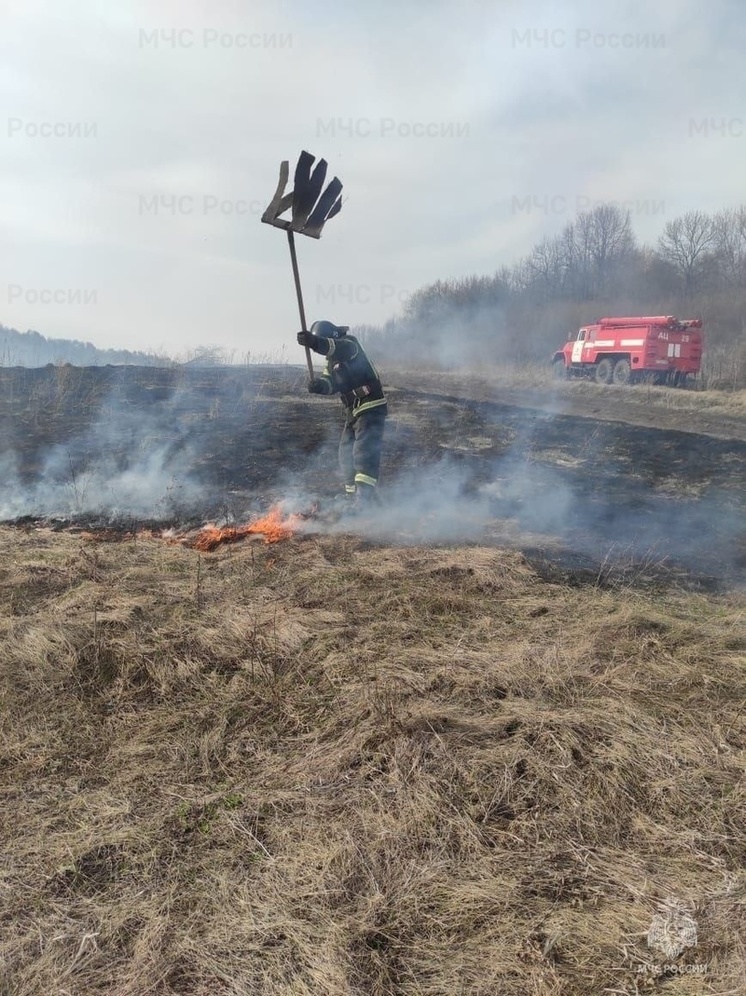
[141,142]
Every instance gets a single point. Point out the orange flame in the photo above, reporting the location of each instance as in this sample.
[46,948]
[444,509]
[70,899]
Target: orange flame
[273,527]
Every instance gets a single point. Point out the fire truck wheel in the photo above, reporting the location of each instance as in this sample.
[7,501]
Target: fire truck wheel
[559,370]
[622,372]
[603,372]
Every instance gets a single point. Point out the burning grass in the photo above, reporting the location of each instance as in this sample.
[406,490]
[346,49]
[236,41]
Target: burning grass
[327,767]
[273,527]
[276,525]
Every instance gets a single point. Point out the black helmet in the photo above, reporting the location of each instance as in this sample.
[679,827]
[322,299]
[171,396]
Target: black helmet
[326,330]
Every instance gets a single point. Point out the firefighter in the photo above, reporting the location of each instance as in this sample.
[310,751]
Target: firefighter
[349,373]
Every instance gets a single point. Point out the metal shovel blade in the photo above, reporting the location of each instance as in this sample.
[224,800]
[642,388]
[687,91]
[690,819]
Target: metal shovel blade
[330,203]
[274,208]
[307,188]
[311,208]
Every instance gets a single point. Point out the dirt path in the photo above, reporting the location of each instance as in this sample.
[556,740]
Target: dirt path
[658,408]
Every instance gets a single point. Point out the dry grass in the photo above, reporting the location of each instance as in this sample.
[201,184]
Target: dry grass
[326,768]
[518,375]
[712,402]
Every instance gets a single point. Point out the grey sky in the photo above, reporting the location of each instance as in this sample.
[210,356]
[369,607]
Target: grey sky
[463,132]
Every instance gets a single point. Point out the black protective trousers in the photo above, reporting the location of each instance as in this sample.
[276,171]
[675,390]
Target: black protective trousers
[360,447]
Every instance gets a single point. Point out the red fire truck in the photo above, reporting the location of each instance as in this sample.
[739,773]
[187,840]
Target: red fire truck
[626,350]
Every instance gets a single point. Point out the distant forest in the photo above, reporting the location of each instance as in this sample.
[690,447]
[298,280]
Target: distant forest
[31,349]
[593,267]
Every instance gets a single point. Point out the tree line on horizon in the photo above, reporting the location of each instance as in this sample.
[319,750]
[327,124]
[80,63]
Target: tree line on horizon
[520,314]
[32,349]
[593,267]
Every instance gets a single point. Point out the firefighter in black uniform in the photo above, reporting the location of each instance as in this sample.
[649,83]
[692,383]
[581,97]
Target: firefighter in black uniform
[349,373]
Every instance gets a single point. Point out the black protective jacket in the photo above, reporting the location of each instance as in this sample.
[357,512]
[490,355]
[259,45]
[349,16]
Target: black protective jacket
[349,373]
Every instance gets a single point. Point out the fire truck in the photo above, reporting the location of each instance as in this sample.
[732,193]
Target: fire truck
[660,349]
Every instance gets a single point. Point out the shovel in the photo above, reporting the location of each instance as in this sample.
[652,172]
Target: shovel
[310,208]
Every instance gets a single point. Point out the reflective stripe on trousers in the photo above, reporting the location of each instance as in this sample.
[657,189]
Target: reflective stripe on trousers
[360,447]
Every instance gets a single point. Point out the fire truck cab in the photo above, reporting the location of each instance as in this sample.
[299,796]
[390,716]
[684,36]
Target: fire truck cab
[661,349]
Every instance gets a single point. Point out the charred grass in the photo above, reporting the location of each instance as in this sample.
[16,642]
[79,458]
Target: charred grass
[328,767]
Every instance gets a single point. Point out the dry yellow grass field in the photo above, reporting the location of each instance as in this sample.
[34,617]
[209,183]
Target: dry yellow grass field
[330,767]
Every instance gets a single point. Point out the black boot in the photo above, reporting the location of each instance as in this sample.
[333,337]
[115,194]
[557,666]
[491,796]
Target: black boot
[346,498]
[366,497]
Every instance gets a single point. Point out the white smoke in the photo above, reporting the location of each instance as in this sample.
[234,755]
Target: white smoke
[128,462]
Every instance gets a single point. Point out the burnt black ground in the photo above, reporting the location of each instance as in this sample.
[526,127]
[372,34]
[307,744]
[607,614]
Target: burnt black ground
[605,499]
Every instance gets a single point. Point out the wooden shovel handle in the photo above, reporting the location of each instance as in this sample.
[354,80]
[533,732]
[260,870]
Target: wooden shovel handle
[299,295]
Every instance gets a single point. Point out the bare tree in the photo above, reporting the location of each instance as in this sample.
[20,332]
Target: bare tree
[686,244]
[584,261]
[730,246]
[604,243]
[545,268]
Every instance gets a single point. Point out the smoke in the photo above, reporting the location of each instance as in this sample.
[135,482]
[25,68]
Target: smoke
[433,504]
[659,499]
[114,442]
[176,444]
[526,504]
[120,465]
[450,501]
[225,445]
[152,486]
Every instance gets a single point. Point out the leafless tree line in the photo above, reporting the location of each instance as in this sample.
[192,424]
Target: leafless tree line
[593,266]
[696,253]
[32,349]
